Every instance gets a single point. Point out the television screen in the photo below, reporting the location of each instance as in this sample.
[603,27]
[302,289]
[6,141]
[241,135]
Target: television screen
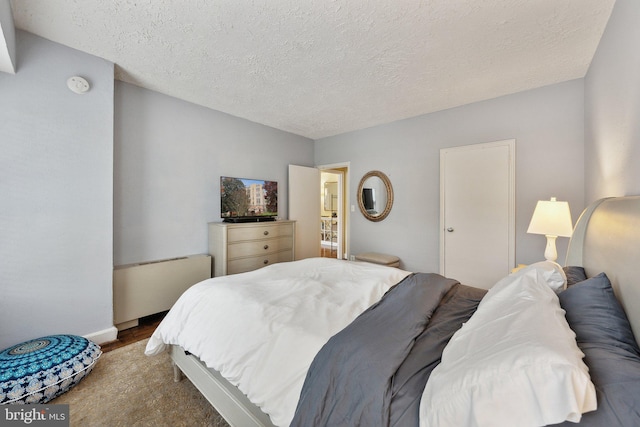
[248,198]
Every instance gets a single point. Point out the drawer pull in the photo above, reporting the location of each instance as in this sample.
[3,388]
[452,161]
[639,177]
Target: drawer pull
[266,232]
[265,262]
[266,247]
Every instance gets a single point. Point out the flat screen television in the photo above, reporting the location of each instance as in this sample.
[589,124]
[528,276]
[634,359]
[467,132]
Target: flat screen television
[248,200]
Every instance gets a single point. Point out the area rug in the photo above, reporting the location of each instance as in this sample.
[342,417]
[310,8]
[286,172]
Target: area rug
[127,388]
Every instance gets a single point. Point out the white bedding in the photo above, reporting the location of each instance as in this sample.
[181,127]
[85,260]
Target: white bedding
[262,329]
[514,363]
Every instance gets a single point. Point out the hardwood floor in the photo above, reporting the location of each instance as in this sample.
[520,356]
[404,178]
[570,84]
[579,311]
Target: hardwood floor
[145,328]
[328,252]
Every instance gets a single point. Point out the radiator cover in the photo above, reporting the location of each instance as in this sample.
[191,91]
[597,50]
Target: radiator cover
[144,289]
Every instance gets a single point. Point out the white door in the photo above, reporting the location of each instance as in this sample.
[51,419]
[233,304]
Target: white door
[477,211]
[304,208]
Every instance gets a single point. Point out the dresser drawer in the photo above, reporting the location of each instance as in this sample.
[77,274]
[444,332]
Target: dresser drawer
[258,247]
[242,265]
[255,232]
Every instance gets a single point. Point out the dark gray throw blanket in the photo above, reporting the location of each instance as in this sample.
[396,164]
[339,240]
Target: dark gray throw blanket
[372,373]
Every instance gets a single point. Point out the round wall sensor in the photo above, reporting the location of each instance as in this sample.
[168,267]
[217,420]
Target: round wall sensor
[78,85]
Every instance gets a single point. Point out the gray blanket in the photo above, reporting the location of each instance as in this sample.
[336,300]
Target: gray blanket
[373,372]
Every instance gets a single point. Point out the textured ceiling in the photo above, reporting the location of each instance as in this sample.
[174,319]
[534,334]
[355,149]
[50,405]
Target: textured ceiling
[320,67]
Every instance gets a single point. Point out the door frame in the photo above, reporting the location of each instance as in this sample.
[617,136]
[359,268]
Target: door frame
[511,144]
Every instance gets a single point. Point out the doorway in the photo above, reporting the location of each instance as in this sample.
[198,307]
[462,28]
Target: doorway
[333,210]
[330,214]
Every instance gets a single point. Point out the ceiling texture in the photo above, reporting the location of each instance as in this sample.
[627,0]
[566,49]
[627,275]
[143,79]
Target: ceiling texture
[318,68]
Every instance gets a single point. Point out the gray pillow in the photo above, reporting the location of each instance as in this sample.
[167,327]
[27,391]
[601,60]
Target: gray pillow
[574,275]
[611,352]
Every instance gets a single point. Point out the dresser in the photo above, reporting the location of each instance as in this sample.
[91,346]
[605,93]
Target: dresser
[237,248]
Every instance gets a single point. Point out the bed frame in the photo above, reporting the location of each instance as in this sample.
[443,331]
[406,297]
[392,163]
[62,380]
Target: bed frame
[606,238]
[230,402]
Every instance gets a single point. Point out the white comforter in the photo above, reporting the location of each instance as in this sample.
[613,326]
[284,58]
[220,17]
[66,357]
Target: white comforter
[262,329]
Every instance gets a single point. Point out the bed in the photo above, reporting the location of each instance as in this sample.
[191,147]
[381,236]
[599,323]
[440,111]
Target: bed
[450,342]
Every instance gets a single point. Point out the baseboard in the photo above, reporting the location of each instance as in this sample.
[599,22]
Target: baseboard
[104,336]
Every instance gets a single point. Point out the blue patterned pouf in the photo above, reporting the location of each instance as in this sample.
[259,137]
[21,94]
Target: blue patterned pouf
[39,370]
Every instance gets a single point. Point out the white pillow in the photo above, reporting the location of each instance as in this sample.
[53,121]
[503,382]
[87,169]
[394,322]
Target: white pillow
[514,363]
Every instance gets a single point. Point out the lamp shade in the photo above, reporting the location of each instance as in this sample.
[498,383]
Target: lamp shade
[552,218]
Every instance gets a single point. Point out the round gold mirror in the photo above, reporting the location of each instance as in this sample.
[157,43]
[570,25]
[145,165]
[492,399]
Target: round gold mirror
[375,196]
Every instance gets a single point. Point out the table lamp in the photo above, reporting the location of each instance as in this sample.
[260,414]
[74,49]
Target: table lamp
[553,219]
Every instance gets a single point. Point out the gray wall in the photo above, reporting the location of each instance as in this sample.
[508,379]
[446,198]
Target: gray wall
[169,156]
[548,125]
[56,178]
[612,108]
[83,190]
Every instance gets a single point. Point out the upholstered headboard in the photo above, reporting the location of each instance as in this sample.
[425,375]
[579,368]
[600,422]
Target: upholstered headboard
[606,239]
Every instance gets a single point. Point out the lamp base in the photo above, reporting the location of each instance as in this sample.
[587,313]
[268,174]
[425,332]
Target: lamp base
[550,252]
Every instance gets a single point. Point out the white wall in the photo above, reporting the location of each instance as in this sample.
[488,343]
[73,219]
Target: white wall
[548,125]
[169,156]
[612,108]
[7,39]
[56,178]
